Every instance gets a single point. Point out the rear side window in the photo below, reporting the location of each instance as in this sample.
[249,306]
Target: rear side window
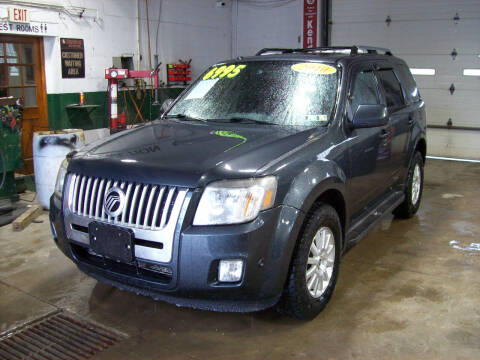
[409,84]
[393,91]
[365,90]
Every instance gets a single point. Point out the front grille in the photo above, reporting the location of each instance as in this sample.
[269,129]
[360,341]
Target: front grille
[146,206]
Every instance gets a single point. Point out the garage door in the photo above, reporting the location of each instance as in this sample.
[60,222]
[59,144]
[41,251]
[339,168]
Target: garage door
[438,38]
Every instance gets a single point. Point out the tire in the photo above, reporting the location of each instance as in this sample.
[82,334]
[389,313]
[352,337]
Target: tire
[413,195]
[297,299]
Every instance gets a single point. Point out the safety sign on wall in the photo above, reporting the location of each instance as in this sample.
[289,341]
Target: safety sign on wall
[73,58]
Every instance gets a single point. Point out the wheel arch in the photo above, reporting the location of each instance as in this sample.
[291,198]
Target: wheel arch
[335,198]
[331,191]
[422,147]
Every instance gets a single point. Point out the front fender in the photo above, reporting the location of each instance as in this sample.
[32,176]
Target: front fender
[312,182]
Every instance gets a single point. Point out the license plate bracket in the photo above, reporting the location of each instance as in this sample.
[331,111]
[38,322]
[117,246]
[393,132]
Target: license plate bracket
[111,241]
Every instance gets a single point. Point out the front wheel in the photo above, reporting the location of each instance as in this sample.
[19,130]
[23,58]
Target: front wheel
[413,189]
[315,264]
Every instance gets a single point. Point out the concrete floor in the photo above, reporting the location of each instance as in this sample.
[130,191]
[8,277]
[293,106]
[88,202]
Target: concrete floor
[410,289]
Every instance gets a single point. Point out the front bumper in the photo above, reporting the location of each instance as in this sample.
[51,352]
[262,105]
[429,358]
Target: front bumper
[265,245]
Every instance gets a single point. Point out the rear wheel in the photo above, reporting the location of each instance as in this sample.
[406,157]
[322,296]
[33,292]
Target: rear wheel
[413,189]
[315,264]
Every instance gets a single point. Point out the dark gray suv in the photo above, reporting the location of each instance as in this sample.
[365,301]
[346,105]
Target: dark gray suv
[248,190]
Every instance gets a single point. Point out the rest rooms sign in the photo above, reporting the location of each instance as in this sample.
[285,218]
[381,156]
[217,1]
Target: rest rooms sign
[73,58]
[18,22]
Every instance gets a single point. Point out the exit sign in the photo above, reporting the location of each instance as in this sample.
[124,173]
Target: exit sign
[16,14]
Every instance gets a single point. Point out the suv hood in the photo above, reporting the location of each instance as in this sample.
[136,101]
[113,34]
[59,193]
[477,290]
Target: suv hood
[186,153]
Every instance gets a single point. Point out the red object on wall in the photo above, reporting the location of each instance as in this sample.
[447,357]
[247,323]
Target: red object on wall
[178,73]
[310,16]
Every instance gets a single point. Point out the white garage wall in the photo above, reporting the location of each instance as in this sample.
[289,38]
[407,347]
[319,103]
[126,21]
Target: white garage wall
[179,29]
[188,28]
[424,34]
[195,29]
[257,27]
[111,34]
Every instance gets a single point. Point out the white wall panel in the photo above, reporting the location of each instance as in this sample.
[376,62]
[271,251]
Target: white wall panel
[112,34]
[424,34]
[195,29]
[453,143]
[256,27]
[413,37]
[357,11]
[448,71]
[462,107]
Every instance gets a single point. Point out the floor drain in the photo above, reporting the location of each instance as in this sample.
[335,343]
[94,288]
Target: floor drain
[57,335]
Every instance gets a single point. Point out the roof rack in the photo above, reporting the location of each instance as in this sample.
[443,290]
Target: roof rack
[352,50]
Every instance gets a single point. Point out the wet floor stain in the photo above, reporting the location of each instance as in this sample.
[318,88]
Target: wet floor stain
[387,325]
[417,291]
[451,196]
[462,337]
[466,228]
[472,247]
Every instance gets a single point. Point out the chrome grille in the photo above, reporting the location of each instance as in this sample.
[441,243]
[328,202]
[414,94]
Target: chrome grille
[146,206]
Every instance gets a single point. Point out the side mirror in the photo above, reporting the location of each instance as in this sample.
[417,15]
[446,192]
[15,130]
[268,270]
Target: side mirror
[166,104]
[368,116]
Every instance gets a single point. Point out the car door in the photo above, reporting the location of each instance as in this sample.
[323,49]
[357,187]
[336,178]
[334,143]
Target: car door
[399,119]
[413,100]
[369,150]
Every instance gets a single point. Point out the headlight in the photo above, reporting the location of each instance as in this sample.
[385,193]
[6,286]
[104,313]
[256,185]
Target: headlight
[61,178]
[235,201]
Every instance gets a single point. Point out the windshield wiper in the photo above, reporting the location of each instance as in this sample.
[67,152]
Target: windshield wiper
[244,120]
[183,117]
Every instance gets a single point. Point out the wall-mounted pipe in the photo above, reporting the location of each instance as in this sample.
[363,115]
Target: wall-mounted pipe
[148,35]
[139,56]
[325,16]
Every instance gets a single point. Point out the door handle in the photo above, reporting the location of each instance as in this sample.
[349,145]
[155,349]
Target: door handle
[411,120]
[385,134]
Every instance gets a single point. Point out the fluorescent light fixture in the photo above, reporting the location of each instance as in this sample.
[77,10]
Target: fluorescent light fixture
[471,72]
[417,71]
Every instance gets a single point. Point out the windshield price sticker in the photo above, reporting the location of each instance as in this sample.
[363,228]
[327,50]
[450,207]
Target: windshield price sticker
[220,72]
[314,68]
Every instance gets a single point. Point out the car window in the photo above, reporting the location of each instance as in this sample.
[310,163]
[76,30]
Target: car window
[280,92]
[365,90]
[409,84]
[393,91]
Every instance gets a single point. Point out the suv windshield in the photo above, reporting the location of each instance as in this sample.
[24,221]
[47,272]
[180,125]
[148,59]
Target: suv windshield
[270,92]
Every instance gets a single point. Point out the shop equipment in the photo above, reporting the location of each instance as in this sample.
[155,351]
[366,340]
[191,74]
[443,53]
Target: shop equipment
[113,75]
[179,73]
[10,151]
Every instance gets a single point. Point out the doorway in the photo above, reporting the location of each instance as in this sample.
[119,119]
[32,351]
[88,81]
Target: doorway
[22,75]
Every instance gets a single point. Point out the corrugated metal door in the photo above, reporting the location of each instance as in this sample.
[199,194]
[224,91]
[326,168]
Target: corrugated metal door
[425,34]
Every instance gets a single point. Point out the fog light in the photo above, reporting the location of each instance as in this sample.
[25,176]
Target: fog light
[230,270]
